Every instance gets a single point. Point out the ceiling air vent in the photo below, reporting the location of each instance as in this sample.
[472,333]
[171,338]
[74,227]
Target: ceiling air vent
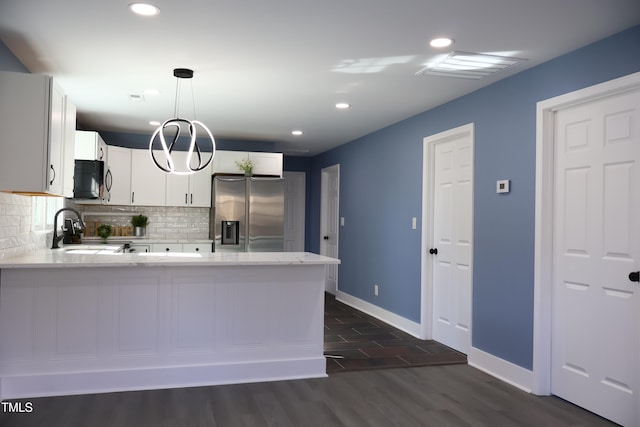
[467,65]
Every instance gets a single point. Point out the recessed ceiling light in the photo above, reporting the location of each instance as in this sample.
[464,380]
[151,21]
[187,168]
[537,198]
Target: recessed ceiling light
[144,9]
[441,42]
[342,105]
[296,132]
[154,123]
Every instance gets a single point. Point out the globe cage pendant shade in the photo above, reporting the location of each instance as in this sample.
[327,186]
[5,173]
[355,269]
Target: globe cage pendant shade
[174,128]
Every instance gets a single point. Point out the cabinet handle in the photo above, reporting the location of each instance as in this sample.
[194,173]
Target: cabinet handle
[133,196]
[197,249]
[167,249]
[54,175]
[108,180]
[185,199]
[191,198]
[101,156]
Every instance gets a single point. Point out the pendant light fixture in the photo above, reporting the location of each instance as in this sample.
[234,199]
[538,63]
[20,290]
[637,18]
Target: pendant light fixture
[181,132]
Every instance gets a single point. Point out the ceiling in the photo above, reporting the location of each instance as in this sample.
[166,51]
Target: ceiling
[264,68]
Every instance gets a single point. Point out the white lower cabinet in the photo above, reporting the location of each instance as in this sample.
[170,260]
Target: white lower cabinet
[166,247]
[202,248]
[182,247]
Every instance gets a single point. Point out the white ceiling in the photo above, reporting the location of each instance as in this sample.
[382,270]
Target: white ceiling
[264,68]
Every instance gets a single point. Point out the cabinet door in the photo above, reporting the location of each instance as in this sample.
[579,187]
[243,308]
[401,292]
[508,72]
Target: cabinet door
[90,146]
[225,161]
[140,248]
[68,147]
[56,142]
[28,110]
[118,176]
[189,190]
[148,182]
[202,248]
[166,247]
[178,185]
[267,163]
[200,188]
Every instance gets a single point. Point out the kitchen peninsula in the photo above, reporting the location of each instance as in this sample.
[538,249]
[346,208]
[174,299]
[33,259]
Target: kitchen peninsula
[75,323]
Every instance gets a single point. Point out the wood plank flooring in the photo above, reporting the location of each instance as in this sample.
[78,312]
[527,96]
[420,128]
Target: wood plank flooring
[439,396]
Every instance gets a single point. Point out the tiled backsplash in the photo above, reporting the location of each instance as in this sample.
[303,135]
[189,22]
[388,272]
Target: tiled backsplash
[16,237]
[164,222]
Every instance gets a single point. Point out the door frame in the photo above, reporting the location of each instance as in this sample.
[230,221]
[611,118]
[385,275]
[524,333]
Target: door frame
[543,251]
[428,193]
[324,212]
[301,193]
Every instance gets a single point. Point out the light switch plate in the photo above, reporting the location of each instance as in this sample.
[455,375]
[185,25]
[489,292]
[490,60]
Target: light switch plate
[502,186]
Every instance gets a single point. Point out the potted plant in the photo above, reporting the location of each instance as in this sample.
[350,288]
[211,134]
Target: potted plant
[246,165]
[139,223]
[104,231]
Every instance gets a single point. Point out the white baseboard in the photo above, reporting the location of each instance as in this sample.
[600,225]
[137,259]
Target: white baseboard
[386,316]
[69,383]
[499,368]
[503,370]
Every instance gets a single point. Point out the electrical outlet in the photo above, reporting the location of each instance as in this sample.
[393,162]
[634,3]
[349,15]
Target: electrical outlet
[375,290]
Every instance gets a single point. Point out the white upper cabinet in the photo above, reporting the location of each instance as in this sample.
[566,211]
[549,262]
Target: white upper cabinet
[90,146]
[117,179]
[225,161]
[69,147]
[269,164]
[189,190]
[148,182]
[33,131]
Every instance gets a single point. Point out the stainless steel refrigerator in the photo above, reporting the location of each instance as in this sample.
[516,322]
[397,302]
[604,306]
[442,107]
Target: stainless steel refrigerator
[247,214]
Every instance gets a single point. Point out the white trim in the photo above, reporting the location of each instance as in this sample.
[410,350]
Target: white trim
[69,383]
[543,256]
[323,214]
[399,322]
[428,158]
[503,370]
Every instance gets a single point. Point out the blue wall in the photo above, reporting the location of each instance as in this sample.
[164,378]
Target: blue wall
[381,189]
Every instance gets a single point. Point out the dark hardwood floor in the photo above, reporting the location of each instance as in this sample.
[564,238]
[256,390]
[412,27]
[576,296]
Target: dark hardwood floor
[440,396]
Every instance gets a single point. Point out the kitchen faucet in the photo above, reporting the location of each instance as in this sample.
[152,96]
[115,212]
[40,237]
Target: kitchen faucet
[56,239]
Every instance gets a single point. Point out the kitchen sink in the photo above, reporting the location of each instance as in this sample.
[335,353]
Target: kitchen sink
[92,249]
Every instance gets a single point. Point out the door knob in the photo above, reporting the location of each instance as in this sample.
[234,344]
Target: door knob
[433,251]
[326,237]
[634,276]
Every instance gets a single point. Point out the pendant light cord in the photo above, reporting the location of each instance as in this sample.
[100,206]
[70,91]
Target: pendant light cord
[175,106]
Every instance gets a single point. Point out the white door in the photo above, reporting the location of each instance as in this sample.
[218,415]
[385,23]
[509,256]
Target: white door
[294,211]
[329,211]
[596,244]
[449,161]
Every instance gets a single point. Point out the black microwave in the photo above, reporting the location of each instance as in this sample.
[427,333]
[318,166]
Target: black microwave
[88,179]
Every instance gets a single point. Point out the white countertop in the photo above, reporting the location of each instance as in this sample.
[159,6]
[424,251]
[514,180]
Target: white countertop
[57,258]
[141,240]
